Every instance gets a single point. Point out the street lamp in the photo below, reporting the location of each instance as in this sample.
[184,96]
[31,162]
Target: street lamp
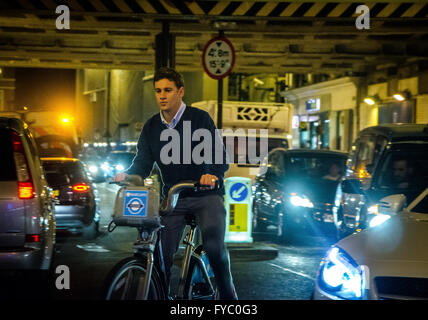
[401,96]
[371,100]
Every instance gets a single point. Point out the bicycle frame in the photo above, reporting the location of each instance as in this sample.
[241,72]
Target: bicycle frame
[149,247]
[149,243]
[188,254]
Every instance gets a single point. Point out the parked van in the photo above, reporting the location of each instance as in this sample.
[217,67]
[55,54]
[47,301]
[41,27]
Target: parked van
[27,224]
[385,159]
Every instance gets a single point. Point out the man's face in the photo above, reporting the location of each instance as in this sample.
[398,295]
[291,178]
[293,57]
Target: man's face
[334,170]
[400,170]
[168,96]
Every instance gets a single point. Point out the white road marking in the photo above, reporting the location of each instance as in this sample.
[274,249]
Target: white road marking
[92,248]
[292,271]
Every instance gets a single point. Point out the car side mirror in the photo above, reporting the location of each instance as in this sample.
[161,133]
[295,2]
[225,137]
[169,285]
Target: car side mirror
[369,168]
[392,205]
[352,186]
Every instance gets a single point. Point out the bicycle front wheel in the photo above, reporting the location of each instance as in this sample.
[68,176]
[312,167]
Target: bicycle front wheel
[125,282]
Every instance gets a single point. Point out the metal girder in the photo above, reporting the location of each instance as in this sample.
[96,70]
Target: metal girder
[292,36]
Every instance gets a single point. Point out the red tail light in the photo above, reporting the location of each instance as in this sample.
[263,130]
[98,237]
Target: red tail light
[80,187]
[25,184]
[25,190]
[32,238]
[17,143]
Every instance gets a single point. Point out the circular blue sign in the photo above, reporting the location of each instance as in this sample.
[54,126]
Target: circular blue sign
[135,206]
[238,191]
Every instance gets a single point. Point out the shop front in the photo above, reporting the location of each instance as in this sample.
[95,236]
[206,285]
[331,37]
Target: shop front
[324,114]
[397,112]
[396,101]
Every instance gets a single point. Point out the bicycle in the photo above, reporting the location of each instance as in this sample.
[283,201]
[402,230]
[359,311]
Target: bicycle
[142,276]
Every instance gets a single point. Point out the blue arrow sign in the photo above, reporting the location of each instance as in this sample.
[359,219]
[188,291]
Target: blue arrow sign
[238,191]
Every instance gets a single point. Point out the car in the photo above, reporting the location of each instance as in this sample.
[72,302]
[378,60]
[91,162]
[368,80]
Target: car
[94,163]
[117,161]
[27,221]
[75,196]
[295,190]
[387,159]
[383,262]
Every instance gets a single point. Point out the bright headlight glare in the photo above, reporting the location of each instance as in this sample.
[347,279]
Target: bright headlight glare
[340,276]
[105,166]
[299,201]
[119,167]
[377,220]
[373,209]
[93,169]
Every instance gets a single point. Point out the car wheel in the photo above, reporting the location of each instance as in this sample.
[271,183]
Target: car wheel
[342,231]
[283,231]
[90,232]
[258,226]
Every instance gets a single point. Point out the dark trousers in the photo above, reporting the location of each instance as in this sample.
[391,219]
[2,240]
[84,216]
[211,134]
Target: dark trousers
[210,216]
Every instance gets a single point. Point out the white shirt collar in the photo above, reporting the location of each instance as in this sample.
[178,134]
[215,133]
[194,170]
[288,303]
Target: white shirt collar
[176,118]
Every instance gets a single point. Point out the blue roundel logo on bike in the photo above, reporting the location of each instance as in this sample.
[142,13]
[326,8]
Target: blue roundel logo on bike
[135,206]
[238,191]
[135,203]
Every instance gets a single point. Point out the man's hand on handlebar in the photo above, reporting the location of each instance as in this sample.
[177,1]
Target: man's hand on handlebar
[124,179]
[209,181]
[118,177]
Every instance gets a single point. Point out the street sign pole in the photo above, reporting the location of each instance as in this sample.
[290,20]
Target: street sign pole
[220,104]
[220,95]
[218,59]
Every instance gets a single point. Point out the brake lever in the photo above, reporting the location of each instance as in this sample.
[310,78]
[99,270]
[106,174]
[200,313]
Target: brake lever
[204,187]
[120,183]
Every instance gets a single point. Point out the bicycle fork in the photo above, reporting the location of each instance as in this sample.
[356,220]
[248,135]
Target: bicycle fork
[190,244]
[147,245]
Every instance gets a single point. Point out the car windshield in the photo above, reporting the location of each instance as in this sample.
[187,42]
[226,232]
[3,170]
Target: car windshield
[91,158]
[239,151]
[71,172]
[422,206]
[405,170]
[7,164]
[124,158]
[323,167]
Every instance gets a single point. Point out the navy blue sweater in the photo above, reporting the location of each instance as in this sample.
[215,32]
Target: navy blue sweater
[178,148]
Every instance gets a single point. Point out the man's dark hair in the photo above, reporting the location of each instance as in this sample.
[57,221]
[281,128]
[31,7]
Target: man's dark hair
[170,74]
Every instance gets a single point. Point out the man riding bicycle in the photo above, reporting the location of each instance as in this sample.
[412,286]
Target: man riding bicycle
[171,139]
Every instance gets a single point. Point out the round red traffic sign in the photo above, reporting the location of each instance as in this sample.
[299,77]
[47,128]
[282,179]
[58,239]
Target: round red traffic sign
[218,57]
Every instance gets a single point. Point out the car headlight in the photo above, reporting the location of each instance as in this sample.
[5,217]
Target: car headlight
[93,169]
[119,167]
[377,218]
[300,201]
[340,275]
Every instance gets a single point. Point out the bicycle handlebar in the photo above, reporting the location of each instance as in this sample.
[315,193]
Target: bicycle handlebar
[169,204]
[131,179]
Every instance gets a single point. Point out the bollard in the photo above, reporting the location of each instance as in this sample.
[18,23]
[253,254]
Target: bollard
[239,210]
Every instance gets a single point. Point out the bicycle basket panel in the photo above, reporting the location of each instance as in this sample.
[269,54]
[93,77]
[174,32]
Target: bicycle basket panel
[136,206]
[135,203]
